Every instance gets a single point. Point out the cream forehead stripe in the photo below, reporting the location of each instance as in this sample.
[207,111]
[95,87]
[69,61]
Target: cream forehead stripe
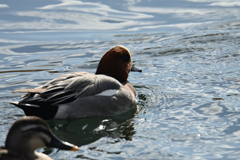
[30,127]
[123,47]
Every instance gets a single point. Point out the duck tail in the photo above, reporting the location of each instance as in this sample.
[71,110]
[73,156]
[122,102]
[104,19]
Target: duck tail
[46,111]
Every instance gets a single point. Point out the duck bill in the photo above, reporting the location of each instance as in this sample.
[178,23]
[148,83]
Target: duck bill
[57,143]
[135,69]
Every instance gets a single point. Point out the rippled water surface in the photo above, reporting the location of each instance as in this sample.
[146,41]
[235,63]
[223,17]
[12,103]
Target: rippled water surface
[189,50]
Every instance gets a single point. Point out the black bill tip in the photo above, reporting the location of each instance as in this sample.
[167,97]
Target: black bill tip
[135,69]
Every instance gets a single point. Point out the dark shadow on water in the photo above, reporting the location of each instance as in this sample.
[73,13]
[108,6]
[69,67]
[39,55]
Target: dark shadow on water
[84,131]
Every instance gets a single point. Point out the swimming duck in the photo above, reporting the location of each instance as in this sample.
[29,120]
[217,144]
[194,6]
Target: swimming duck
[82,94]
[26,135]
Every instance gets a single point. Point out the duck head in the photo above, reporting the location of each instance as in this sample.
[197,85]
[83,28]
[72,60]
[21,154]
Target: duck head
[29,133]
[117,63]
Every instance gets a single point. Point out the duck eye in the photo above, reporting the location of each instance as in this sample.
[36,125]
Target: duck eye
[126,57]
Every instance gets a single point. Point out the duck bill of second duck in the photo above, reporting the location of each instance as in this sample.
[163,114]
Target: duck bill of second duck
[57,143]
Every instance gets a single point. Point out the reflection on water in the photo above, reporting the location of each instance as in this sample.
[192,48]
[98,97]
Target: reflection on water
[88,130]
[188,92]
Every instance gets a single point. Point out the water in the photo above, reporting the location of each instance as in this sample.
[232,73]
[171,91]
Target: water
[188,93]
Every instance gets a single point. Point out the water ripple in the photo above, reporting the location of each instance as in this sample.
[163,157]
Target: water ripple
[188,91]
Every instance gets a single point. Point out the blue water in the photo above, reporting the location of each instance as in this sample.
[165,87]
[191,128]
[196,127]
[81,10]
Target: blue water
[189,51]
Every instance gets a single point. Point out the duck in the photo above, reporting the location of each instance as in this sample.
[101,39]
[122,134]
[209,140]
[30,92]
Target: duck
[28,134]
[81,94]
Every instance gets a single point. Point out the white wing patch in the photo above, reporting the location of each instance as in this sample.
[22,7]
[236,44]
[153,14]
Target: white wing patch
[31,105]
[62,111]
[109,92]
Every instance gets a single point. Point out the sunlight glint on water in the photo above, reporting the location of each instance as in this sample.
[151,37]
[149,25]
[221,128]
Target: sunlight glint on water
[188,92]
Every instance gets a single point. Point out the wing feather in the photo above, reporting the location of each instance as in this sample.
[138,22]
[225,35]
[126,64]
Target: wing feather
[67,88]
